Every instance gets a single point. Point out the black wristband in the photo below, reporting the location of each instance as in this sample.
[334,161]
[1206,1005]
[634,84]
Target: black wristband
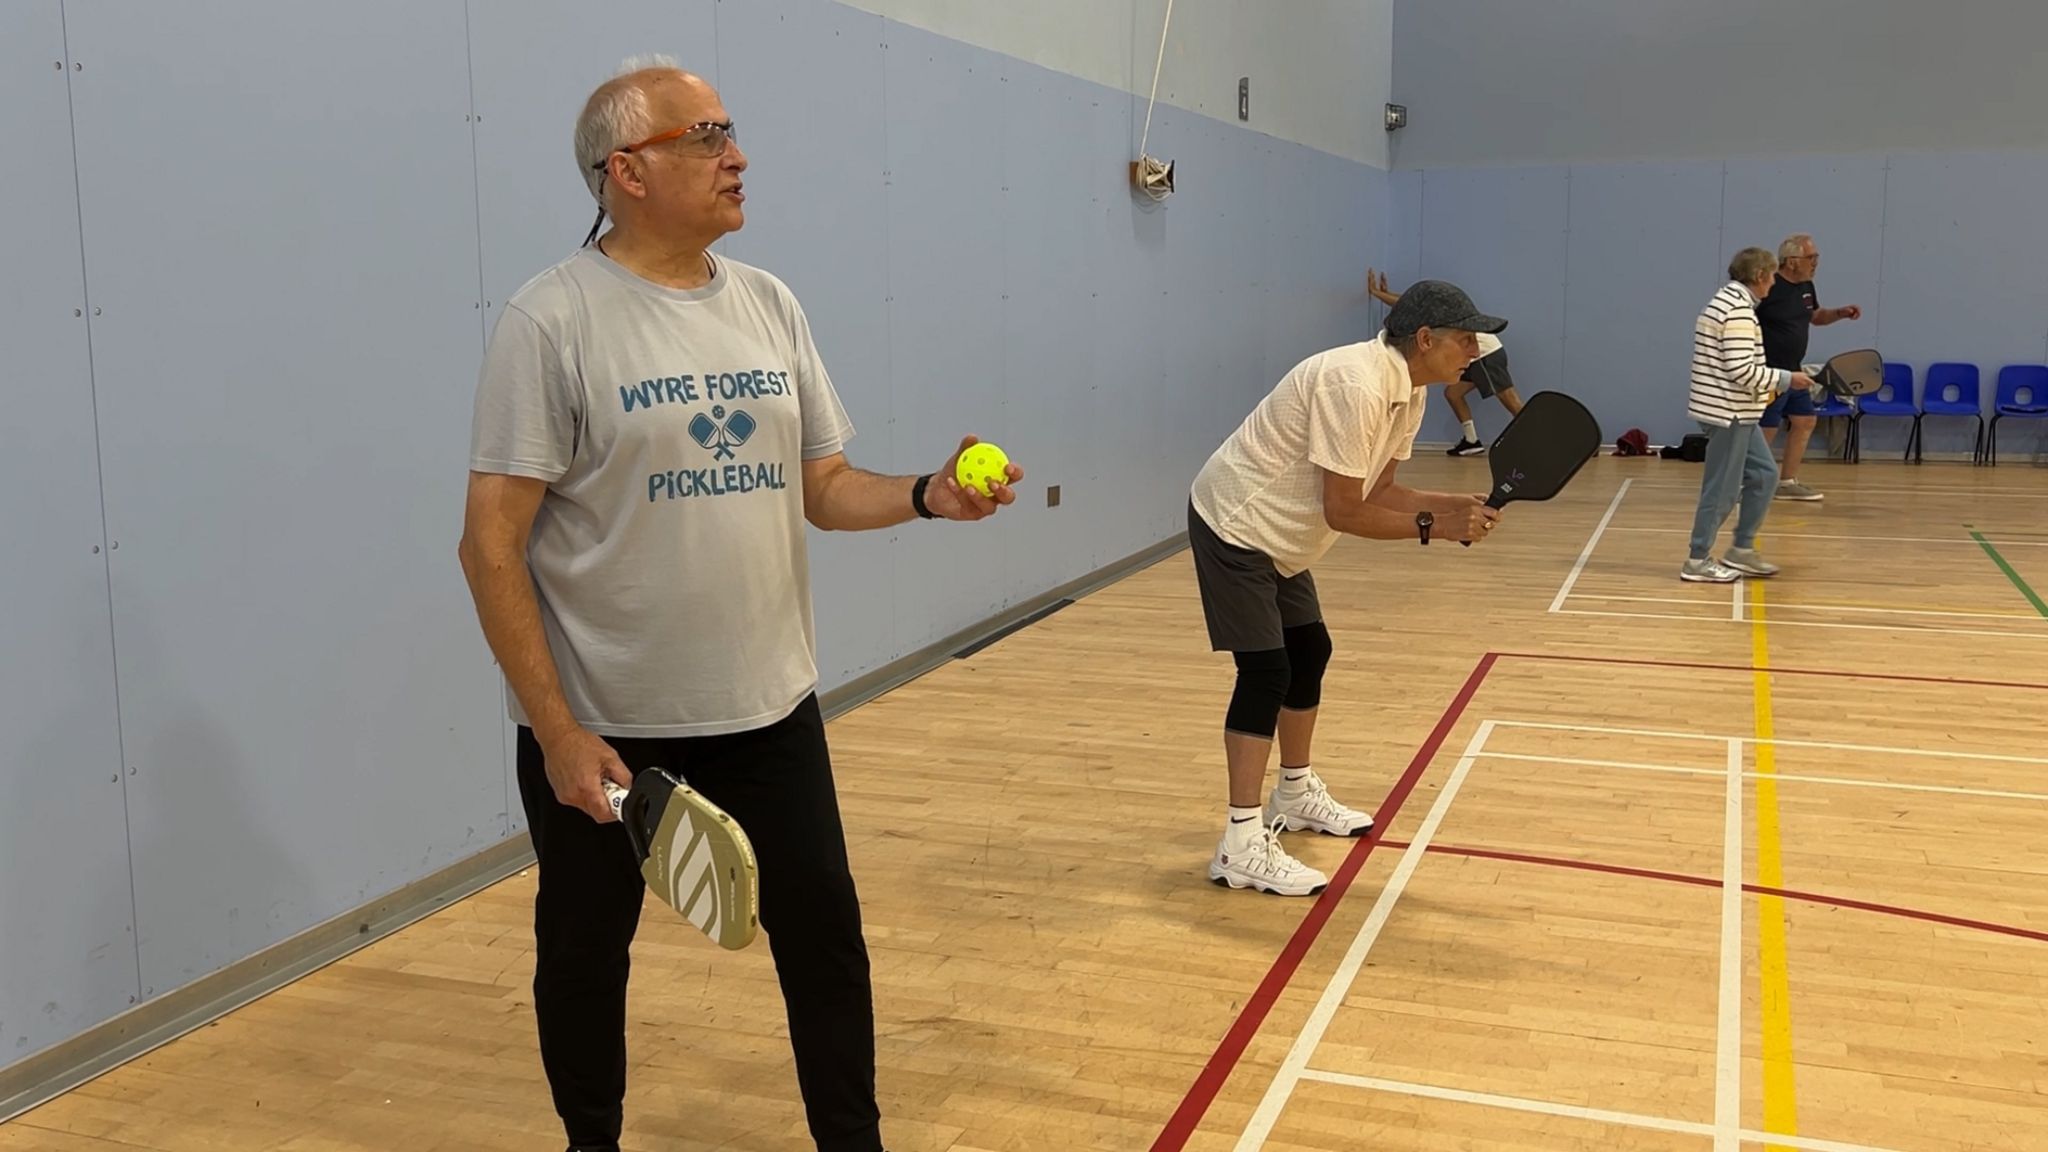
[917,499]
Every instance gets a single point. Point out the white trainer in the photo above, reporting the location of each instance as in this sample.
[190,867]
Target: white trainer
[1316,810]
[1708,571]
[1265,866]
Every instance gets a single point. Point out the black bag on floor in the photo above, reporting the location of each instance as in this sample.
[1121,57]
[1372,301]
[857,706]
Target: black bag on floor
[1691,449]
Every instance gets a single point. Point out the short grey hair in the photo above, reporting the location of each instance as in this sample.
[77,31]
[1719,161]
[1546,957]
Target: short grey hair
[1794,246]
[615,116]
[1751,265]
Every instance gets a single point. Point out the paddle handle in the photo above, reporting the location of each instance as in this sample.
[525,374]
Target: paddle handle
[616,796]
[1494,501]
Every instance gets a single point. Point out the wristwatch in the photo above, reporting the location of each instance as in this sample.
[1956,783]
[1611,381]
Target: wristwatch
[917,498]
[1424,521]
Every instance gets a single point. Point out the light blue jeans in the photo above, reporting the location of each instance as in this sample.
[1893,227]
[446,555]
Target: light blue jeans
[1739,461]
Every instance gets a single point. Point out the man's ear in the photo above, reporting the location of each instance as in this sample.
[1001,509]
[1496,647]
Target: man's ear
[626,178]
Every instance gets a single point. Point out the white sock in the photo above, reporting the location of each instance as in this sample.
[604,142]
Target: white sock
[1471,431]
[1244,827]
[1293,782]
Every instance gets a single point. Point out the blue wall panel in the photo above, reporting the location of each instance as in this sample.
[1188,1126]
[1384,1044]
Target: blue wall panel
[1938,249]
[945,307]
[1295,304]
[1963,254]
[1405,224]
[67,948]
[1051,203]
[1645,253]
[815,201]
[1163,411]
[1127,235]
[1501,236]
[1321,250]
[1230,366]
[284,372]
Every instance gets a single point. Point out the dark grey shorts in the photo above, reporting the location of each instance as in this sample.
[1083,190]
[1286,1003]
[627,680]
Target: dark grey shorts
[1245,600]
[1489,374]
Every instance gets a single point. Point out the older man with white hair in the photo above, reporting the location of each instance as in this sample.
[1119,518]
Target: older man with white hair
[1788,313]
[653,429]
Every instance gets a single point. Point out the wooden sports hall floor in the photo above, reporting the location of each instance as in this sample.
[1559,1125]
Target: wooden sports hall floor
[1631,893]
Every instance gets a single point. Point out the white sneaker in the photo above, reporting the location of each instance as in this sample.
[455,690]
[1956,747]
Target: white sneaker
[1316,810]
[1265,866]
[1749,562]
[1708,571]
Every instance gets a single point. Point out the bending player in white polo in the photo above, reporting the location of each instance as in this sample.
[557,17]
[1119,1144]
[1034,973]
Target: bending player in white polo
[1315,459]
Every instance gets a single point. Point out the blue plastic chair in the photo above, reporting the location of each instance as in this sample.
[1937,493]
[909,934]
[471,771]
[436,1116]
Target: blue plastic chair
[1965,381]
[2022,394]
[1893,398]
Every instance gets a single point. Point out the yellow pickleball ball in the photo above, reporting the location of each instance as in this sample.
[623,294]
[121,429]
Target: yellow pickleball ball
[981,466]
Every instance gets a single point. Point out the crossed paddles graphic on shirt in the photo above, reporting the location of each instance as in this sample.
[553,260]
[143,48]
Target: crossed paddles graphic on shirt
[719,433]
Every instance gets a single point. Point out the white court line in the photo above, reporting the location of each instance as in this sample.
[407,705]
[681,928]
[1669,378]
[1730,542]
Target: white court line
[1514,1103]
[1781,606]
[1965,541]
[1678,770]
[1735,612]
[2009,634]
[1631,765]
[1943,789]
[1779,742]
[1728,1036]
[1693,601]
[2023,493]
[1296,1063]
[1564,590]
[1575,1112]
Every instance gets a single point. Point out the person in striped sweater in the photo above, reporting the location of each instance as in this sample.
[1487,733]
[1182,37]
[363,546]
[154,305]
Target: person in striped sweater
[1731,387]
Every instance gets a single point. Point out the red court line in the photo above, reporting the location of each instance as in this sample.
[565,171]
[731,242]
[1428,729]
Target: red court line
[1776,670]
[1210,1082]
[1753,889]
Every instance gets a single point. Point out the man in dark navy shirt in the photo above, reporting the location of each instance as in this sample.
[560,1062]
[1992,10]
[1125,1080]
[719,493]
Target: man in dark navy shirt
[1787,314]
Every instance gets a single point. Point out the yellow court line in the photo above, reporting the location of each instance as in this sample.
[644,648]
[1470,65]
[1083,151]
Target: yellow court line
[1780,1112]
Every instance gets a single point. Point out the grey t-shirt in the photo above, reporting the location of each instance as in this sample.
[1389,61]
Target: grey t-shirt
[669,553]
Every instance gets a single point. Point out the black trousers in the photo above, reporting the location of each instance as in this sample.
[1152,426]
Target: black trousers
[777,783]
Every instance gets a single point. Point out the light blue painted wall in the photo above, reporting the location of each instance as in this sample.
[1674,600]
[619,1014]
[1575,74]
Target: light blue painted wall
[285,317]
[1608,157]
[290,231]
[1941,250]
[67,912]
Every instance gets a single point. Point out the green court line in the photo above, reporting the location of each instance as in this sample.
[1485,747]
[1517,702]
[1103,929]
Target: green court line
[2032,596]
